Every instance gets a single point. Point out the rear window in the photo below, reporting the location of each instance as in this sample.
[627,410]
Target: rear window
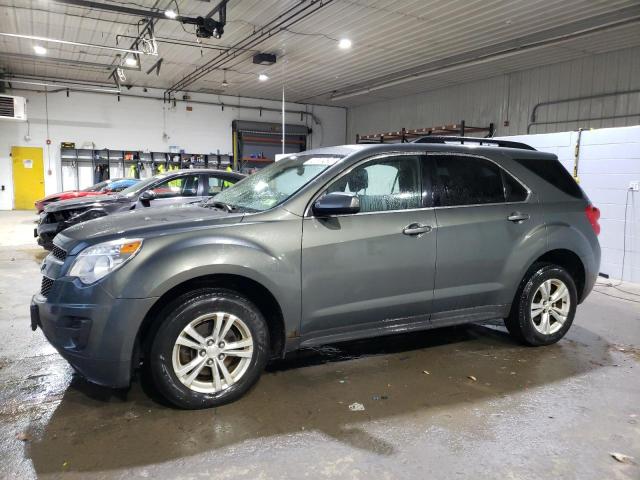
[553,172]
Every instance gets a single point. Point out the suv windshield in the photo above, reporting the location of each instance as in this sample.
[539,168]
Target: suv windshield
[276,183]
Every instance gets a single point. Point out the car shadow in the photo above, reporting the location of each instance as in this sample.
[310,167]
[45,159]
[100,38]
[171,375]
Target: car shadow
[421,374]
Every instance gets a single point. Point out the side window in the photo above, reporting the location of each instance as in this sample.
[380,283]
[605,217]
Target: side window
[186,186]
[217,184]
[553,172]
[462,180]
[391,183]
[513,190]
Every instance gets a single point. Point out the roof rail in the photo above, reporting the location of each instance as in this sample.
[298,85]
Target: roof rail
[490,142]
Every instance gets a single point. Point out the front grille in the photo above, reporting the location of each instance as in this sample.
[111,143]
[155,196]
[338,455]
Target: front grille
[45,288]
[59,253]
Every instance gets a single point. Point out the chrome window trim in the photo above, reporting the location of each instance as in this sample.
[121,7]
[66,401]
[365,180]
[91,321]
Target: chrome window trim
[308,212]
[464,154]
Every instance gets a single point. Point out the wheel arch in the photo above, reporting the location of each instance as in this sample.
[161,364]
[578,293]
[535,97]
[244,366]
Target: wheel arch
[260,295]
[568,260]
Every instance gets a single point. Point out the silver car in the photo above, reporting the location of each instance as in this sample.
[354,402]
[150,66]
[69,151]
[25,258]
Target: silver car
[324,246]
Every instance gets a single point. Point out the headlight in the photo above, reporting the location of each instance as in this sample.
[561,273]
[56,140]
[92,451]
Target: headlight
[96,262]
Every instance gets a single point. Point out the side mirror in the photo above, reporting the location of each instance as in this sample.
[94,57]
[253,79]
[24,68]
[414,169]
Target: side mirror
[146,197]
[336,203]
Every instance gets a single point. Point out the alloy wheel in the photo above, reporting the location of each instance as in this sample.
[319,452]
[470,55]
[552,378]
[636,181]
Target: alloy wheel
[550,306]
[212,352]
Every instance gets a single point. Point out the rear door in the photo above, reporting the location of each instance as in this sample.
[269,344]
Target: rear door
[484,217]
[370,270]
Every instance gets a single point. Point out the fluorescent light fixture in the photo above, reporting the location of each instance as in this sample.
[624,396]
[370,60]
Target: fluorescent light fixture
[40,50]
[131,61]
[344,43]
[262,77]
[170,14]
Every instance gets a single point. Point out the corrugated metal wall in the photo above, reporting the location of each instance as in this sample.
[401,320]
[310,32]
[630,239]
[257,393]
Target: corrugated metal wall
[512,97]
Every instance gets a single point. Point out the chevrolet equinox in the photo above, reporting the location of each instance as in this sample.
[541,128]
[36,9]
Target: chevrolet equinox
[323,246]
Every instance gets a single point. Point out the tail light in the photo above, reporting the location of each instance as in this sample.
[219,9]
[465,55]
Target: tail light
[593,215]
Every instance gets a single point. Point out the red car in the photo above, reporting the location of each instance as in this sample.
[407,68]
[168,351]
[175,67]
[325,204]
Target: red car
[108,186]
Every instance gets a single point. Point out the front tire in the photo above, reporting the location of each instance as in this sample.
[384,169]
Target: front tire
[544,307]
[209,350]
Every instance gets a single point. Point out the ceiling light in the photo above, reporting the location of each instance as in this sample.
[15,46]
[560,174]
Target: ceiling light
[262,77]
[344,43]
[131,61]
[40,50]
[170,14]
[225,84]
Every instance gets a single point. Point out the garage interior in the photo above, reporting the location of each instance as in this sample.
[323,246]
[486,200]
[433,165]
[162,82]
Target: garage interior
[92,91]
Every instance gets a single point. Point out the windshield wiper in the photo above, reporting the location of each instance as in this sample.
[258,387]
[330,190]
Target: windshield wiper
[220,205]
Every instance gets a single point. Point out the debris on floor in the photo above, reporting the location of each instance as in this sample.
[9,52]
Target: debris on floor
[356,407]
[622,458]
[23,436]
[471,377]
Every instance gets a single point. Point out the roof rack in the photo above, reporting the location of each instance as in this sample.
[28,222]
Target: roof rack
[491,142]
[405,135]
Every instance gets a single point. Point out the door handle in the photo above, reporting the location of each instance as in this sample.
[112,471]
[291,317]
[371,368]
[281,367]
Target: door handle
[416,229]
[518,217]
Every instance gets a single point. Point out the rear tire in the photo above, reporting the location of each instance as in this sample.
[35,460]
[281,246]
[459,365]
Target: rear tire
[209,350]
[544,306]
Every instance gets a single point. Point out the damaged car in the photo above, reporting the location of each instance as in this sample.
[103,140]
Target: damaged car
[172,188]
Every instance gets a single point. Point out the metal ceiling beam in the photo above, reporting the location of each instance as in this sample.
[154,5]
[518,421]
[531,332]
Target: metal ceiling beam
[137,12]
[64,61]
[77,44]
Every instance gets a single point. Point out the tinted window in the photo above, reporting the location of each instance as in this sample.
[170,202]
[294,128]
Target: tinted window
[461,180]
[186,186]
[391,183]
[513,190]
[553,172]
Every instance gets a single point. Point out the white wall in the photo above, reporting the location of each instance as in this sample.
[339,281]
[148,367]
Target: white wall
[138,124]
[609,160]
[511,97]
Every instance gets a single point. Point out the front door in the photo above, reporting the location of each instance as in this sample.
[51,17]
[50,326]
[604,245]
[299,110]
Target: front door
[28,177]
[375,267]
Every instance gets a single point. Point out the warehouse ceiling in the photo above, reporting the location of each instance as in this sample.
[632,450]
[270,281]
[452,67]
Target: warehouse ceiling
[398,46]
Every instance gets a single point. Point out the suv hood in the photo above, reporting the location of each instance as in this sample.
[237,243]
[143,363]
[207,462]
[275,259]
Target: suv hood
[142,223]
[85,202]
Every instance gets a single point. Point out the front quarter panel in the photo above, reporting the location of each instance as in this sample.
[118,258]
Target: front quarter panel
[263,248]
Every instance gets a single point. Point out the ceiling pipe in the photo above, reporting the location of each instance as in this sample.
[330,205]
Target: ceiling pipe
[290,17]
[78,44]
[576,99]
[63,87]
[106,91]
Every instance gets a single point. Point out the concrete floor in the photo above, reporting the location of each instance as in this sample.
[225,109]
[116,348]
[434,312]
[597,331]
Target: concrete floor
[553,412]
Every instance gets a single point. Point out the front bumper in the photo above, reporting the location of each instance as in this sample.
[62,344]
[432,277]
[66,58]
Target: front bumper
[93,331]
[45,232]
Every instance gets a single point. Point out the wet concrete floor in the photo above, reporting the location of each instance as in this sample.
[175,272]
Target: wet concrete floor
[453,403]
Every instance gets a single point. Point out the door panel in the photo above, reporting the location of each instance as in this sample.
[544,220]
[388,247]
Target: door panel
[374,267]
[28,177]
[489,224]
[361,269]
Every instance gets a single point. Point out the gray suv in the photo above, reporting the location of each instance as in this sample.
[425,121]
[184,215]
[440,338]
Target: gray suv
[324,246]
